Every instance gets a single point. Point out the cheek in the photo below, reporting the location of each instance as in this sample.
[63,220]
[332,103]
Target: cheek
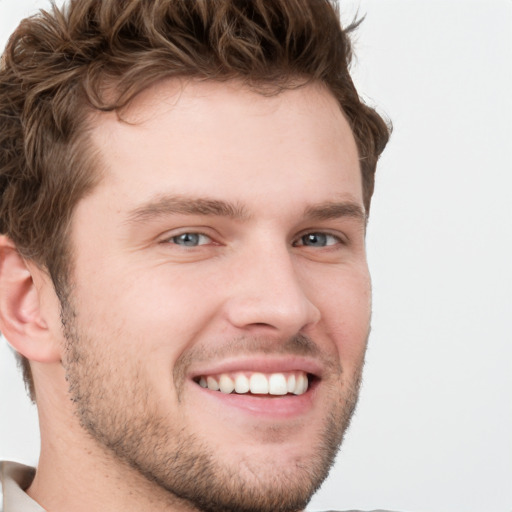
[345,303]
[153,315]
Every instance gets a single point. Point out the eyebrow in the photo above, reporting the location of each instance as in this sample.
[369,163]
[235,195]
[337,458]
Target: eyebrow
[184,205]
[176,205]
[335,210]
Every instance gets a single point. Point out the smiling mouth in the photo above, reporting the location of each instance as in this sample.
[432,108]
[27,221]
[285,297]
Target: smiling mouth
[257,383]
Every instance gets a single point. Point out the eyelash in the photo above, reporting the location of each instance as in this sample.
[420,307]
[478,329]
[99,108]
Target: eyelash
[173,239]
[319,234]
[299,242]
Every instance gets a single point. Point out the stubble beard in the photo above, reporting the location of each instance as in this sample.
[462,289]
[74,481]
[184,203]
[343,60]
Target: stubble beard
[128,425]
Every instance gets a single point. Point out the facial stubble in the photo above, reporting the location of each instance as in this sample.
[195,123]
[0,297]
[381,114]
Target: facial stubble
[114,405]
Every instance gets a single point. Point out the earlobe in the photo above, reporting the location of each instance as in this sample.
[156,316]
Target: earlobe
[21,318]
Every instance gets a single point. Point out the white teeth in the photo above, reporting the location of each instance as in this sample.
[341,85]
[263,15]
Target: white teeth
[301,385]
[257,383]
[226,385]
[242,383]
[291,383]
[212,384]
[277,384]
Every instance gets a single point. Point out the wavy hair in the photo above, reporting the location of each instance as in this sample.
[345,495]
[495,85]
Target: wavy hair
[59,65]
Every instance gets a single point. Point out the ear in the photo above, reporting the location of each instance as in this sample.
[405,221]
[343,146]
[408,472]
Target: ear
[21,319]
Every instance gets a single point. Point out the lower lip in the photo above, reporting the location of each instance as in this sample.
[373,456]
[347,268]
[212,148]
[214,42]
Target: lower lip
[269,406]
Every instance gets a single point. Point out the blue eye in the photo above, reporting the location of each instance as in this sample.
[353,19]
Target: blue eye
[190,239]
[318,240]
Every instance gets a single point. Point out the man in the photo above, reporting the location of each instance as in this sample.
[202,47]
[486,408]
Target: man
[184,194]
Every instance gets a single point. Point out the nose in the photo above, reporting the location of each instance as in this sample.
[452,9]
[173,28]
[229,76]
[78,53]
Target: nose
[268,292]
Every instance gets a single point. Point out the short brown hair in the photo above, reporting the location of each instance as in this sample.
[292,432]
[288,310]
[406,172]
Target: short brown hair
[58,64]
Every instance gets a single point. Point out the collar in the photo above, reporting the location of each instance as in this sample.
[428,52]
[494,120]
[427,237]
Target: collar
[14,479]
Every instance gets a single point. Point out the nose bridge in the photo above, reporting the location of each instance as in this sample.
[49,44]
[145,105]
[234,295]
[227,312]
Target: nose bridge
[268,291]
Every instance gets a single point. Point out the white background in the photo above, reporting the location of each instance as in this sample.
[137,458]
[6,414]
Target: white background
[433,431]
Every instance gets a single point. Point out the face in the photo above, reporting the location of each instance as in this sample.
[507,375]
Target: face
[220,301]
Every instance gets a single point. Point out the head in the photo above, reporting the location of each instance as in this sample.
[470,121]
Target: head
[72,79]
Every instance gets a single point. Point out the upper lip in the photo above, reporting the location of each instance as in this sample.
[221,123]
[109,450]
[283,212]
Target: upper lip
[258,363]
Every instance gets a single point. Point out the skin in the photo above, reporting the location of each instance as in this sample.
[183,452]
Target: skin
[146,315]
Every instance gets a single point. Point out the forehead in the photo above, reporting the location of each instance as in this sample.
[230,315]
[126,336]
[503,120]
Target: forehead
[216,139]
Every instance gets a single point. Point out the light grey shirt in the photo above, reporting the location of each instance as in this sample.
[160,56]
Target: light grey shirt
[15,478]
